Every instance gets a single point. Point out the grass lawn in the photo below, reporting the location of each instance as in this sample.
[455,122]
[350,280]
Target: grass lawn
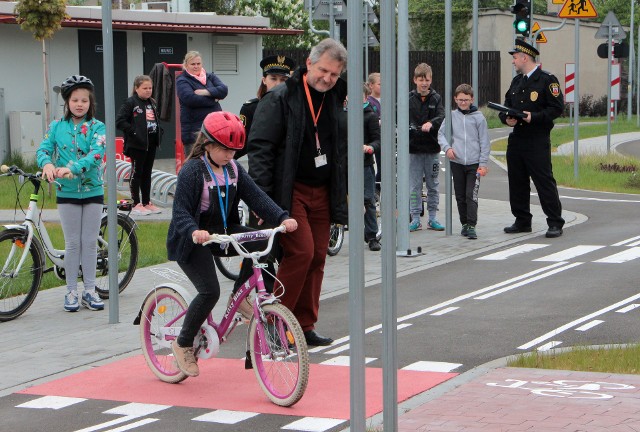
[618,359]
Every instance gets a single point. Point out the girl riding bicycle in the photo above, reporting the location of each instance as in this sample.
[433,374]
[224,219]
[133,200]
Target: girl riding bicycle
[210,185]
[74,147]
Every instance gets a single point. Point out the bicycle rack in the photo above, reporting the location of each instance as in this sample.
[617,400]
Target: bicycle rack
[162,183]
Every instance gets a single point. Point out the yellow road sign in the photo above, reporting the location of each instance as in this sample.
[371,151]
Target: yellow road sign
[540,37]
[578,9]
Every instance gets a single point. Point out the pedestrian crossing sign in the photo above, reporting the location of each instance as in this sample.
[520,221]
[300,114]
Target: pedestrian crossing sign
[578,9]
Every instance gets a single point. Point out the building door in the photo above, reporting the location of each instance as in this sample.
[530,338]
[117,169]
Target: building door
[90,48]
[169,48]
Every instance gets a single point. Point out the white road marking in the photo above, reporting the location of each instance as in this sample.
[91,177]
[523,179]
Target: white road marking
[313,424]
[624,242]
[573,323]
[589,325]
[337,344]
[621,257]
[133,425]
[431,366]
[444,311]
[628,308]
[225,416]
[502,255]
[51,402]
[129,412]
[344,361]
[548,346]
[526,281]
[597,199]
[570,253]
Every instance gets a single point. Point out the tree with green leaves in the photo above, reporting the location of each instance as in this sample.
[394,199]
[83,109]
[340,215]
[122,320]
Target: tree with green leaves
[43,19]
[289,14]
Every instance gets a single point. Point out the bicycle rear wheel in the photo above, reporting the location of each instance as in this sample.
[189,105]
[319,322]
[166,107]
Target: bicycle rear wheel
[127,255]
[336,238]
[159,310]
[229,266]
[18,290]
[279,355]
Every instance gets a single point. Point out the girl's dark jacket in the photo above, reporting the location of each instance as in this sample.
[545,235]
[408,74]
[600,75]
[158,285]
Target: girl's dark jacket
[186,206]
[132,121]
[276,137]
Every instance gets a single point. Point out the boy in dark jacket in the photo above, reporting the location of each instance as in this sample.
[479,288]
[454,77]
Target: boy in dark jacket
[426,113]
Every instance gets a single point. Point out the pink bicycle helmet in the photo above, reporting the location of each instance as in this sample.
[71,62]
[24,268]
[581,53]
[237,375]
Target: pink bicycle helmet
[224,128]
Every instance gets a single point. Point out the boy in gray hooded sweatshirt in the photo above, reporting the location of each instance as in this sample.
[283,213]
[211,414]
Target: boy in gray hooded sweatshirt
[469,154]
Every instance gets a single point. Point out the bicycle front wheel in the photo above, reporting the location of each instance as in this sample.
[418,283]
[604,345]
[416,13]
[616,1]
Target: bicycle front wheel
[18,287]
[157,322]
[127,255]
[336,238]
[279,355]
[229,266]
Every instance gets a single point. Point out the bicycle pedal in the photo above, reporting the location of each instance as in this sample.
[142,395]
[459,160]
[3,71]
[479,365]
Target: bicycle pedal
[247,361]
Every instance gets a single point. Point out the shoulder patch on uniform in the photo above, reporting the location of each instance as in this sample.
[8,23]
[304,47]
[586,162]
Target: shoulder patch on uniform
[554,88]
[243,119]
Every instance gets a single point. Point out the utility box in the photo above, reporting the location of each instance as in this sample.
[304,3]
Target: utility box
[25,128]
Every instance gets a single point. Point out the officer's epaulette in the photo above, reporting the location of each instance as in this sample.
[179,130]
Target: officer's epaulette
[546,72]
[250,101]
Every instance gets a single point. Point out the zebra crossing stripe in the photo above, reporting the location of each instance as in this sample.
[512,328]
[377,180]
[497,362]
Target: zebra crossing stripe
[521,249]
[567,254]
[225,416]
[621,257]
[624,242]
[51,402]
[313,424]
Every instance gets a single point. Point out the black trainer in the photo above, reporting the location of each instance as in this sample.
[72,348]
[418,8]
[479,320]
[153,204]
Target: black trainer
[471,232]
[514,229]
[374,245]
[465,230]
[553,232]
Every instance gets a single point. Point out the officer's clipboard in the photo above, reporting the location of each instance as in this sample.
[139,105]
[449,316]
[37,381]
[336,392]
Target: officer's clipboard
[511,112]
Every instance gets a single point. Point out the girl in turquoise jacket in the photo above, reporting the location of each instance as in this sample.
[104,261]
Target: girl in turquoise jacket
[71,154]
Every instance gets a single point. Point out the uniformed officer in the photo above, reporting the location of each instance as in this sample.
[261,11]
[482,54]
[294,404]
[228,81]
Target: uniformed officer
[275,70]
[536,93]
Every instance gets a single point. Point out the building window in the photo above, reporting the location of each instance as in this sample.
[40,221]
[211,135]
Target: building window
[225,58]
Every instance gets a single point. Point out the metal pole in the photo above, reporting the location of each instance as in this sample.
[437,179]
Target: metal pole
[389,307]
[109,121]
[576,98]
[447,109]
[402,226]
[609,61]
[637,81]
[356,221]
[332,22]
[630,84]
[474,53]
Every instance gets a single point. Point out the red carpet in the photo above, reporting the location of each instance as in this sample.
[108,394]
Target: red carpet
[225,384]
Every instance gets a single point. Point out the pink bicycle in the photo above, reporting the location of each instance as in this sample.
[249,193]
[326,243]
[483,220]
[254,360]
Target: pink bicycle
[276,347]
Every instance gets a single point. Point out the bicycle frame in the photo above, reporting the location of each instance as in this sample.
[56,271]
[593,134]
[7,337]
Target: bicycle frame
[255,281]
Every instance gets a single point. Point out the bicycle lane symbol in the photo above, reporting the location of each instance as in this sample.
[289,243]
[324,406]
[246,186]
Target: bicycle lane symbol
[566,388]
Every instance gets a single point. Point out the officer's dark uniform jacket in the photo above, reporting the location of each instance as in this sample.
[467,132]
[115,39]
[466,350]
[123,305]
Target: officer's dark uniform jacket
[246,115]
[276,137]
[420,112]
[540,94]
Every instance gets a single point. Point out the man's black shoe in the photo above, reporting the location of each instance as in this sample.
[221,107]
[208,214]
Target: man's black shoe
[314,339]
[553,232]
[514,229]
[374,245]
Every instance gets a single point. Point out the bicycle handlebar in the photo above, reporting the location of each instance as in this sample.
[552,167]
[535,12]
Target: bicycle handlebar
[236,239]
[13,170]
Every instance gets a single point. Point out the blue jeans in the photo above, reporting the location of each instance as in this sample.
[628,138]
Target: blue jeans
[427,166]
[370,220]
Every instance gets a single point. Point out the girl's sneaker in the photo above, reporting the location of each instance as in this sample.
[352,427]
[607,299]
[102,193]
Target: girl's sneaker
[140,210]
[433,224]
[415,225]
[71,301]
[152,209]
[91,301]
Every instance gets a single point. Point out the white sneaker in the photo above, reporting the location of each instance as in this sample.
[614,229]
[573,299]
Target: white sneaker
[140,210]
[153,209]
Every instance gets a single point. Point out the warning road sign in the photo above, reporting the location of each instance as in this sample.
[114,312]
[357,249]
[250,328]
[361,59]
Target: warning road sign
[578,9]
[540,37]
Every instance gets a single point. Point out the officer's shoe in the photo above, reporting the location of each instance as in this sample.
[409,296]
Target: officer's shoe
[553,232]
[314,339]
[514,229]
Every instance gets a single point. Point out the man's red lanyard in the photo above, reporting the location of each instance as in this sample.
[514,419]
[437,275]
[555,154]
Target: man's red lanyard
[313,112]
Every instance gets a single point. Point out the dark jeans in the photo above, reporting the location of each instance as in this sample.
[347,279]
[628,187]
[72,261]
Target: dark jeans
[370,221]
[201,271]
[141,169]
[464,179]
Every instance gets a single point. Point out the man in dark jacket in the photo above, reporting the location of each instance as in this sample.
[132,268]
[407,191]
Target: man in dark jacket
[538,95]
[294,156]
